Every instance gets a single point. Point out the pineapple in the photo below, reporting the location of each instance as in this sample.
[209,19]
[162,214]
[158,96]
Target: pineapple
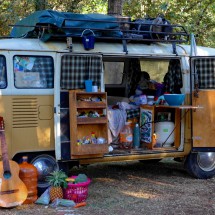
[57,180]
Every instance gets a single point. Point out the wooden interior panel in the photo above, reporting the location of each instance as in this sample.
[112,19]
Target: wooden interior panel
[204,119]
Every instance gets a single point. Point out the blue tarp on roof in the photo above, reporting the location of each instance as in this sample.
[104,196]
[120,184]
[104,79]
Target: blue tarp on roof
[64,23]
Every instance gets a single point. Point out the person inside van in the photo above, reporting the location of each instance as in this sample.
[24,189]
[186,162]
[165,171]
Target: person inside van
[145,84]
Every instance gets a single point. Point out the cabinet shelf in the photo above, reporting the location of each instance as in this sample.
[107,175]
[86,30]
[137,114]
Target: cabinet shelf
[88,120]
[85,104]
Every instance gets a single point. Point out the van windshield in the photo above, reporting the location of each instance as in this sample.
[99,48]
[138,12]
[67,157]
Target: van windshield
[156,68]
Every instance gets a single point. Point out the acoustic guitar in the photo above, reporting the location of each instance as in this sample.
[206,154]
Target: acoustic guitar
[13,191]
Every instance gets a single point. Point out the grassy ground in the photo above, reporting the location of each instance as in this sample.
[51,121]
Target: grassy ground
[137,188]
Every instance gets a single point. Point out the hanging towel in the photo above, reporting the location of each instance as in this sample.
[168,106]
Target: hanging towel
[116,120]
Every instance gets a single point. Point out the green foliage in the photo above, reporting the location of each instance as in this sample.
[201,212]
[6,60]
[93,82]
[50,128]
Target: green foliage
[57,179]
[94,6]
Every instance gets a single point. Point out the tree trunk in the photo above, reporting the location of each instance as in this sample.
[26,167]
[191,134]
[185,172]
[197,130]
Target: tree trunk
[115,7]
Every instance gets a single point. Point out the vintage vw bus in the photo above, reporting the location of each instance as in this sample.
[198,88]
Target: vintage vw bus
[50,116]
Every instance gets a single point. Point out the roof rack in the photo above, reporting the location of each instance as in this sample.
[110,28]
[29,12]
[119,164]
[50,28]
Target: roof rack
[125,31]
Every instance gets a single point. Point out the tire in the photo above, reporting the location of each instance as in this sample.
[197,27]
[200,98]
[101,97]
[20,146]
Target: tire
[201,165]
[45,164]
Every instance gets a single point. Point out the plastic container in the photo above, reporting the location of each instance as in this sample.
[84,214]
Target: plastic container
[94,88]
[77,192]
[126,137]
[136,136]
[29,175]
[88,85]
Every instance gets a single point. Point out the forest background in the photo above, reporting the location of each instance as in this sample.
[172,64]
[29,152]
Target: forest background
[196,16]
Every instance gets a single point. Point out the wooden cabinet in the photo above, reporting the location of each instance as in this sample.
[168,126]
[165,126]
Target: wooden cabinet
[149,115]
[88,113]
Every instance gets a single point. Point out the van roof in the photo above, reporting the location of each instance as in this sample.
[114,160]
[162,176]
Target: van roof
[105,48]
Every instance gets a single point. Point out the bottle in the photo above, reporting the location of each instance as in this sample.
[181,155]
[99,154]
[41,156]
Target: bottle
[136,136]
[154,140]
[126,137]
[93,138]
[29,175]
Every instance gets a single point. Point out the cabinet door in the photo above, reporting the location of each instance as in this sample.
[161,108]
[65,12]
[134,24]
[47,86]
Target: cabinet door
[203,120]
[82,128]
[202,70]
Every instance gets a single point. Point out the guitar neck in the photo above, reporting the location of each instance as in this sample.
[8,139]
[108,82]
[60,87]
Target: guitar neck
[5,158]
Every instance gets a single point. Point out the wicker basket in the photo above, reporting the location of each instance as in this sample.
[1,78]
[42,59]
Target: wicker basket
[77,192]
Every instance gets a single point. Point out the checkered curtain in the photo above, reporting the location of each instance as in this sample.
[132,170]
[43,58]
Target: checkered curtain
[173,78]
[45,67]
[76,69]
[205,69]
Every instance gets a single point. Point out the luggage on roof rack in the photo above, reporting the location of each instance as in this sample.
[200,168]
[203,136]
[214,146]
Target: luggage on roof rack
[50,24]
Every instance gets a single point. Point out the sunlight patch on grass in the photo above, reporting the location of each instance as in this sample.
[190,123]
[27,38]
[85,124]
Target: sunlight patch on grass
[148,180]
[140,195]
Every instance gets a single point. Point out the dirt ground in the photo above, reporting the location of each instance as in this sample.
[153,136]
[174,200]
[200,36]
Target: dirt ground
[130,188]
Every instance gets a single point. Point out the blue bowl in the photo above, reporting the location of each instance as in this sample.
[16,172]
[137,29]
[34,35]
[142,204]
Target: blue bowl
[174,99]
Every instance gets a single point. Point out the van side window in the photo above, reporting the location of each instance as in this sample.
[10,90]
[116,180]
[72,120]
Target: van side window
[3,77]
[33,72]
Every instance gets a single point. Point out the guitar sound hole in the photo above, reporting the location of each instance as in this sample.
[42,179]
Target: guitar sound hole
[7,174]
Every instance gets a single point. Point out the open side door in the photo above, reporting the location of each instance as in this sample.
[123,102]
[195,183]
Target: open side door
[70,130]
[203,96]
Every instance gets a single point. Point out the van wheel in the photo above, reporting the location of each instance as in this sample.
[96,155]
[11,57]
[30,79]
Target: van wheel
[45,164]
[201,165]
